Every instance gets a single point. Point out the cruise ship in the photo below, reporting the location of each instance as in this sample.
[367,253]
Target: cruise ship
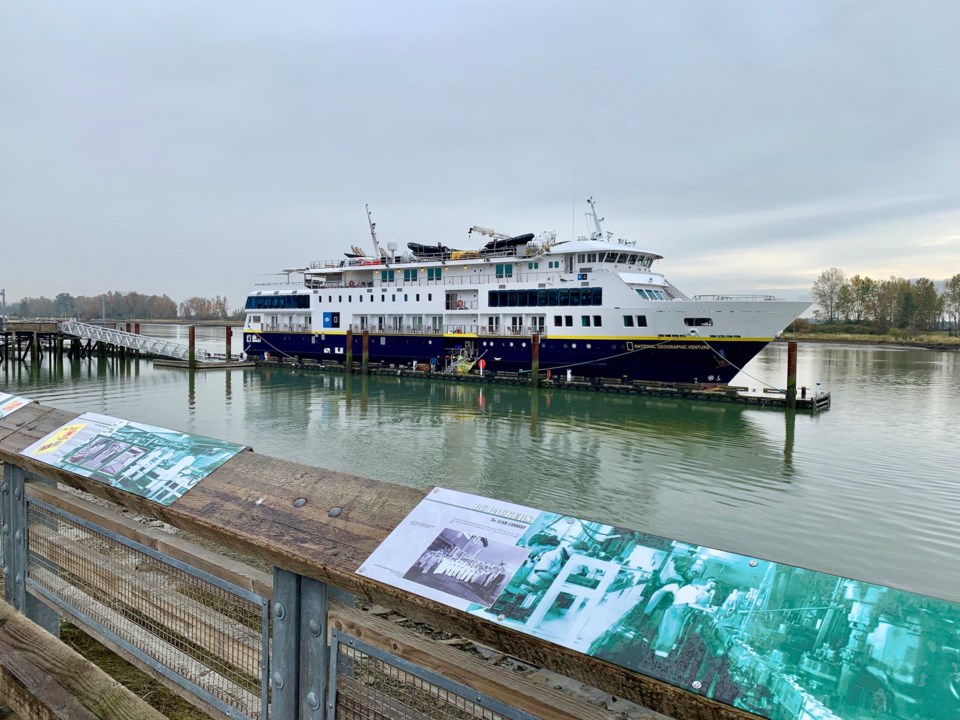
[590,307]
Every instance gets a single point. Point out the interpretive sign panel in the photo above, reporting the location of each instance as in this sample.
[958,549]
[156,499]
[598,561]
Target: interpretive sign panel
[776,640]
[11,403]
[155,463]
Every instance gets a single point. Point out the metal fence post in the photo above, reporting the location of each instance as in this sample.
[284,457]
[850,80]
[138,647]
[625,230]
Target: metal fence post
[15,554]
[14,537]
[314,653]
[285,659]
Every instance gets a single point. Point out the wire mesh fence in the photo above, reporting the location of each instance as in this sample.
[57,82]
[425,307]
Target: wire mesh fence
[198,630]
[367,683]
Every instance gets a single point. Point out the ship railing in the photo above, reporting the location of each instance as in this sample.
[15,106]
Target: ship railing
[548,278]
[734,298]
[455,329]
[456,305]
[285,327]
[410,259]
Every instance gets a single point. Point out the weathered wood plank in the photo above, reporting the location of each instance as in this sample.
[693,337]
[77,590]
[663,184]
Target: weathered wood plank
[174,545]
[40,677]
[457,665]
[247,505]
[25,416]
[155,596]
[154,646]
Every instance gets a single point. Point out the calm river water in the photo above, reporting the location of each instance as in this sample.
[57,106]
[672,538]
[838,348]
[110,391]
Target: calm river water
[869,489]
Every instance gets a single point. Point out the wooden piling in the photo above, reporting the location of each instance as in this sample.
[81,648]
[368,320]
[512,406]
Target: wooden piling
[349,352]
[229,337]
[792,375]
[365,352]
[192,352]
[535,359]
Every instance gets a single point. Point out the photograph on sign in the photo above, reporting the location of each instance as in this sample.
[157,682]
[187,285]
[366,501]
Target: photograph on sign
[779,641]
[469,567]
[454,547]
[152,462]
[11,403]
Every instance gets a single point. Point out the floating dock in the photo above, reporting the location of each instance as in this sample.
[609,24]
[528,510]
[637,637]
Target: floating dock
[806,400]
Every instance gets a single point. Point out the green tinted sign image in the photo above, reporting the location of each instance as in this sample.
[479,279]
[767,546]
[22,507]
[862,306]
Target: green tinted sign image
[779,641]
[152,462]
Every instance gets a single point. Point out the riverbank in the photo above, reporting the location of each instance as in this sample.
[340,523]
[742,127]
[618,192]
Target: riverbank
[929,341]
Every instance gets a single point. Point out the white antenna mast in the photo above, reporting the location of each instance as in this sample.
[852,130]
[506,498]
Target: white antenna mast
[373,232]
[597,233]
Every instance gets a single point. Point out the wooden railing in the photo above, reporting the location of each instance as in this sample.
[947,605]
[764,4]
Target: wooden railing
[321,525]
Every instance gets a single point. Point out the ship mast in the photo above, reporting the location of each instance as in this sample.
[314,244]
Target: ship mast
[597,233]
[373,232]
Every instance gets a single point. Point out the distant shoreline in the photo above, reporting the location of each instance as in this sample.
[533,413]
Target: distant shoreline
[927,342]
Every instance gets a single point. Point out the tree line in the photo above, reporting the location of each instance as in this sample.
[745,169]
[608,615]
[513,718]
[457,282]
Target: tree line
[124,306]
[885,305]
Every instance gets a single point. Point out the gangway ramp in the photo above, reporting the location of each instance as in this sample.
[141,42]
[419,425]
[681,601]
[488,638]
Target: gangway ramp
[145,344]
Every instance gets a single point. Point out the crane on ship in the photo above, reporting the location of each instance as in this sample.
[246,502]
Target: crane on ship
[487,232]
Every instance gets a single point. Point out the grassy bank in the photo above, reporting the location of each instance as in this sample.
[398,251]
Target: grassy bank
[931,341]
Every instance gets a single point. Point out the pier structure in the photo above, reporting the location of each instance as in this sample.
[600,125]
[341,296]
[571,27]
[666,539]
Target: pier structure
[33,341]
[812,400]
[291,627]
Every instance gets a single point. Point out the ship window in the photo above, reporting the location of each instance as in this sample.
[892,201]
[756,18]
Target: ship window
[641,320]
[553,298]
[387,275]
[564,296]
[493,299]
[405,297]
[361,298]
[542,298]
[642,293]
[511,298]
[597,321]
[522,298]
[557,320]
[409,274]
[339,298]
[505,270]
[383,298]
[597,296]
[591,257]
[533,266]
[581,258]
[622,258]
[434,273]
[568,320]
[393,298]
[574,296]
[429,296]
[254,318]
[585,320]
[418,297]
[697,322]
[628,320]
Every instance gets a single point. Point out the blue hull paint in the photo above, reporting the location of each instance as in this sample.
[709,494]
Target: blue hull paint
[676,360]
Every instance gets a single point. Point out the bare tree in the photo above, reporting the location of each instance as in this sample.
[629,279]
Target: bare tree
[826,293]
[951,302]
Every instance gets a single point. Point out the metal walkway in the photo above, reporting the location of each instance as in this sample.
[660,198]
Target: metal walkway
[143,343]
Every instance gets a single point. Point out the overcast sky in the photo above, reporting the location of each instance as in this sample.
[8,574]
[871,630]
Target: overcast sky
[190,147]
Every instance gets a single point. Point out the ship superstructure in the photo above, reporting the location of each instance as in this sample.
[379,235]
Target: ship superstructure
[596,305]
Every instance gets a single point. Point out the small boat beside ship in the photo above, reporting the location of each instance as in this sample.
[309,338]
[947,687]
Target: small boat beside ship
[596,305]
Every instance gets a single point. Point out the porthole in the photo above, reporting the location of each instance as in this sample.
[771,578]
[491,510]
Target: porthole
[511,343]
[588,346]
[574,346]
